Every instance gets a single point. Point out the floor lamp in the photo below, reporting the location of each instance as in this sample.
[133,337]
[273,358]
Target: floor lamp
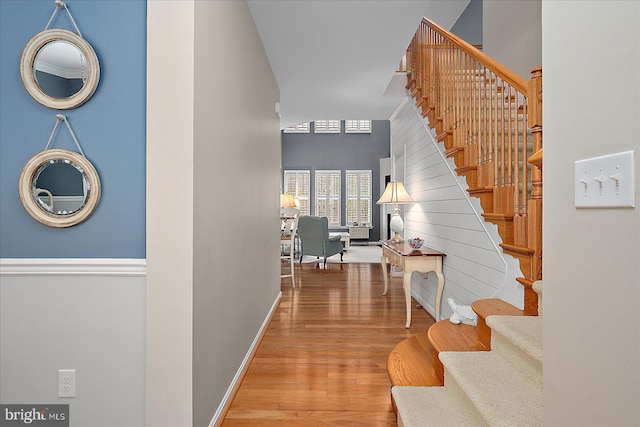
[395,194]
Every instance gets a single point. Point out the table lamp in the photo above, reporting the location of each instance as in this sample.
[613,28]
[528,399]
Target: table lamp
[395,194]
[286,201]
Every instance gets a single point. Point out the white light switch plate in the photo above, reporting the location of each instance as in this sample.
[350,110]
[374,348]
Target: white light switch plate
[606,181]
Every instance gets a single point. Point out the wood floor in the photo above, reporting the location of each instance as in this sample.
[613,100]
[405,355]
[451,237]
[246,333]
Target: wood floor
[322,361]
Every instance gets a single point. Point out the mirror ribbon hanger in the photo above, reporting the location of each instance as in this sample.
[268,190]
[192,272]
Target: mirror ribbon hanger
[62,5]
[63,118]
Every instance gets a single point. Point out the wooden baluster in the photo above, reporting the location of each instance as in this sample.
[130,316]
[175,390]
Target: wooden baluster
[484,126]
[516,170]
[502,129]
[472,159]
[511,128]
[467,103]
[495,151]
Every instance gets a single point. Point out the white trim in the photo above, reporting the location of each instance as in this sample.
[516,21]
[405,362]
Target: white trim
[73,267]
[235,383]
[399,109]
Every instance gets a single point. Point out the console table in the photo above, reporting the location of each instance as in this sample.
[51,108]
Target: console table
[422,260]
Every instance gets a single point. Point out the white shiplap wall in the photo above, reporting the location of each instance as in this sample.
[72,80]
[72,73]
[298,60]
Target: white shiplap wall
[449,221]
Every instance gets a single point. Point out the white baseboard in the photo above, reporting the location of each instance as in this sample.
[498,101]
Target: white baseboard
[235,383]
[73,266]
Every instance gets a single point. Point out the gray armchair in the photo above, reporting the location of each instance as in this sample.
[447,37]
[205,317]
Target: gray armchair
[313,232]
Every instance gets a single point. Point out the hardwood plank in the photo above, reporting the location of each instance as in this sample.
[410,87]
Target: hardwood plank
[411,363]
[322,360]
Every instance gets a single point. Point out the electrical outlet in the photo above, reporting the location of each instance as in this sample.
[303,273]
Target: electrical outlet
[66,383]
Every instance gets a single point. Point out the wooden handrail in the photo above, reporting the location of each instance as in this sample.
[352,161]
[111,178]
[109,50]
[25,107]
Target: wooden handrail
[500,70]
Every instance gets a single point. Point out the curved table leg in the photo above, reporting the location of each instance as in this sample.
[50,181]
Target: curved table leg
[406,284]
[383,262]
[439,294]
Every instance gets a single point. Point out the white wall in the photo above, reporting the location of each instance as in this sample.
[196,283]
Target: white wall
[237,154]
[82,314]
[512,33]
[212,130]
[170,118]
[448,220]
[591,89]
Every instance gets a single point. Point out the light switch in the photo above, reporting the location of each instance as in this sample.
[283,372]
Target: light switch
[606,181]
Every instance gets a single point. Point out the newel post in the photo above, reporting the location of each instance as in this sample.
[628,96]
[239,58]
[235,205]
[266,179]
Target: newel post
[535,203]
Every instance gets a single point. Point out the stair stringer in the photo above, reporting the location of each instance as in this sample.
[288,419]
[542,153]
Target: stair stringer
[458,272]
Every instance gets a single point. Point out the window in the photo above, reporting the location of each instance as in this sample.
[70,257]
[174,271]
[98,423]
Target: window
[357,126]
[326,126]
[328,196]
[358,197]
[297,183]
[301,128]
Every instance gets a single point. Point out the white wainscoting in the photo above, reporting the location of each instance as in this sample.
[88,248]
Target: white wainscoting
[83,314]
[449,221]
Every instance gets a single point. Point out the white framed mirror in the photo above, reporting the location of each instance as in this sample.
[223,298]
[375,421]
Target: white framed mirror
[59,188]
[59,69]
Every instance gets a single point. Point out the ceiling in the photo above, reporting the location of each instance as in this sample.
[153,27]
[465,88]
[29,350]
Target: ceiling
[336,59]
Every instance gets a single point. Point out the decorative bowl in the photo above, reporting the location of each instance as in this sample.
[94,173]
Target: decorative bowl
[416,242]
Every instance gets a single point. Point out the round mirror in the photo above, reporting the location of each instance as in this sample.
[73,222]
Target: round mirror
[59,69]
[59,188]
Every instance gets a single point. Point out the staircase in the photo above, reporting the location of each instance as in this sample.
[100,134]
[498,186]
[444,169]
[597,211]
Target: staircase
[490,122]
[497,387]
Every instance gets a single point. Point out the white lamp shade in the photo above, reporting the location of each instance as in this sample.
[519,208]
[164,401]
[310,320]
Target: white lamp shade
[287,201]
[395,193]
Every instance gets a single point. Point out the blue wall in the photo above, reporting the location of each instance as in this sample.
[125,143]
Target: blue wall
[110,127]
[469,25]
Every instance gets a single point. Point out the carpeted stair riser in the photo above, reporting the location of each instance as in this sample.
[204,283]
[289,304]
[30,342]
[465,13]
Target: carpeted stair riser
[497,391]
[433,407]
[518,339]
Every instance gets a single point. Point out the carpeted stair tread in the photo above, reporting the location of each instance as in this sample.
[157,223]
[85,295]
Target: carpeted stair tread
[433,406]
[494,387]
[523,332]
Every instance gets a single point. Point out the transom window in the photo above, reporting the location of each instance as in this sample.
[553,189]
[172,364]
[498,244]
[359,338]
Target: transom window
[326,126]
[327,195]
[357,126]
[297,182]
[299,128]
[358,196]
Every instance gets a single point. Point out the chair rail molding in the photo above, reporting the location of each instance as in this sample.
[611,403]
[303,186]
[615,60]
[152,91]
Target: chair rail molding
[115,267]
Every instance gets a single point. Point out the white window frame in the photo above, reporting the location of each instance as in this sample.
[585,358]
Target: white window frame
[300,189]
[299,128]
[357,126]
[359,197]
[328,198]
[327,126]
